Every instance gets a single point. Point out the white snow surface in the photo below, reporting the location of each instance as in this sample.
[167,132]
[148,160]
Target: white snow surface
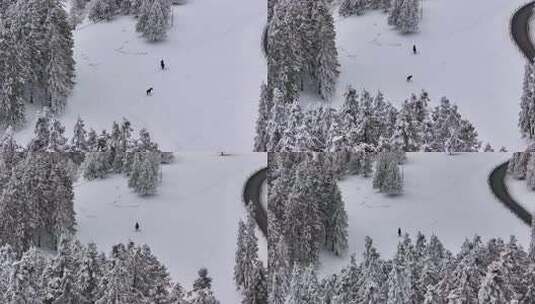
[206,100]
[192,221]
[465,53]
[444,195]
[520,192]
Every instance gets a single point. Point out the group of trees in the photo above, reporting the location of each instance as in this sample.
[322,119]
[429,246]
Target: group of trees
[36,58]
[358,7]
[117,152]
[36,199]
[404,15]
[522,167]
[154,17]
[249,271]
[364,123]
[421,272]
[80,274]
[305,212]
[526,121]
[301,49]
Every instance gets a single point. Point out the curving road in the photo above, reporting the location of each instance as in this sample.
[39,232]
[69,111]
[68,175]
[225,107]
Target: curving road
[499,188]
[252,194]
[521,36]
[520,30]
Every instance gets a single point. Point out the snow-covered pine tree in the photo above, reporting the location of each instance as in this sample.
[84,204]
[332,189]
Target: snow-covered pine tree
[303,219]
[77,12]
[63,217]
[91,141]
[304,287]
[336,231]
[327,66]
[496,287]
[352,7]
[279,272]
[95,165]
[526,120]
[157,20]
[531,252]
[89,273]
[59,69]
[58,141]
[239,260]
[26,279]
[202,289]
[102,10]
[79,138]
[284,52]
[277,122]
[41,132]
[372,288]
[256,292]
[530,171]
[529,282]
[407,131]
[145,175]
[409,16]
[264,108]
[394,13]
[7,259]
[11,83]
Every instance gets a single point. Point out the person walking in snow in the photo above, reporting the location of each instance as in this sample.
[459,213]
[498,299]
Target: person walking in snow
[399,232]
[414,49]
[137,226]
[162,64]
[409,78]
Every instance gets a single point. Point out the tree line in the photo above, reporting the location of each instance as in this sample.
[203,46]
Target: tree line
[154,17]
[80,274]
[363,123]
[421,271]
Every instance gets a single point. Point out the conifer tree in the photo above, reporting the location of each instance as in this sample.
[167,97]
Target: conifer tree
[102,10]
[145,175]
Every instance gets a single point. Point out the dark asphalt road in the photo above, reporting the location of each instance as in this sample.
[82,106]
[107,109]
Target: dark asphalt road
[251,193]
[522,38]
[520,30]
[499,188]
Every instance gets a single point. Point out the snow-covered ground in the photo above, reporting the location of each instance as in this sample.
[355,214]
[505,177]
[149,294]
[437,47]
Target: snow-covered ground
[520,192]
[191,223]
[205,101]
[465,52]
[444,195]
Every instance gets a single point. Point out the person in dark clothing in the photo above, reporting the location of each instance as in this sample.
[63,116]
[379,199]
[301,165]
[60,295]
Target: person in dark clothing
[137,226]
[162,64]
[414,49]
[399,232]
[149,91]
[409,78]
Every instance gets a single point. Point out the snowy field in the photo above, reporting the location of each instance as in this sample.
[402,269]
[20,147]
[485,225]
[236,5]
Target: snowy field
[520,192]
[465,53]
[445,195]
[207,100]
[191,223]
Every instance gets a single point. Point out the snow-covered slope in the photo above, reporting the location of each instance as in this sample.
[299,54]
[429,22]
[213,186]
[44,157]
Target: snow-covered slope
[192,222]
[445,195]
[206,100]
[465,53]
